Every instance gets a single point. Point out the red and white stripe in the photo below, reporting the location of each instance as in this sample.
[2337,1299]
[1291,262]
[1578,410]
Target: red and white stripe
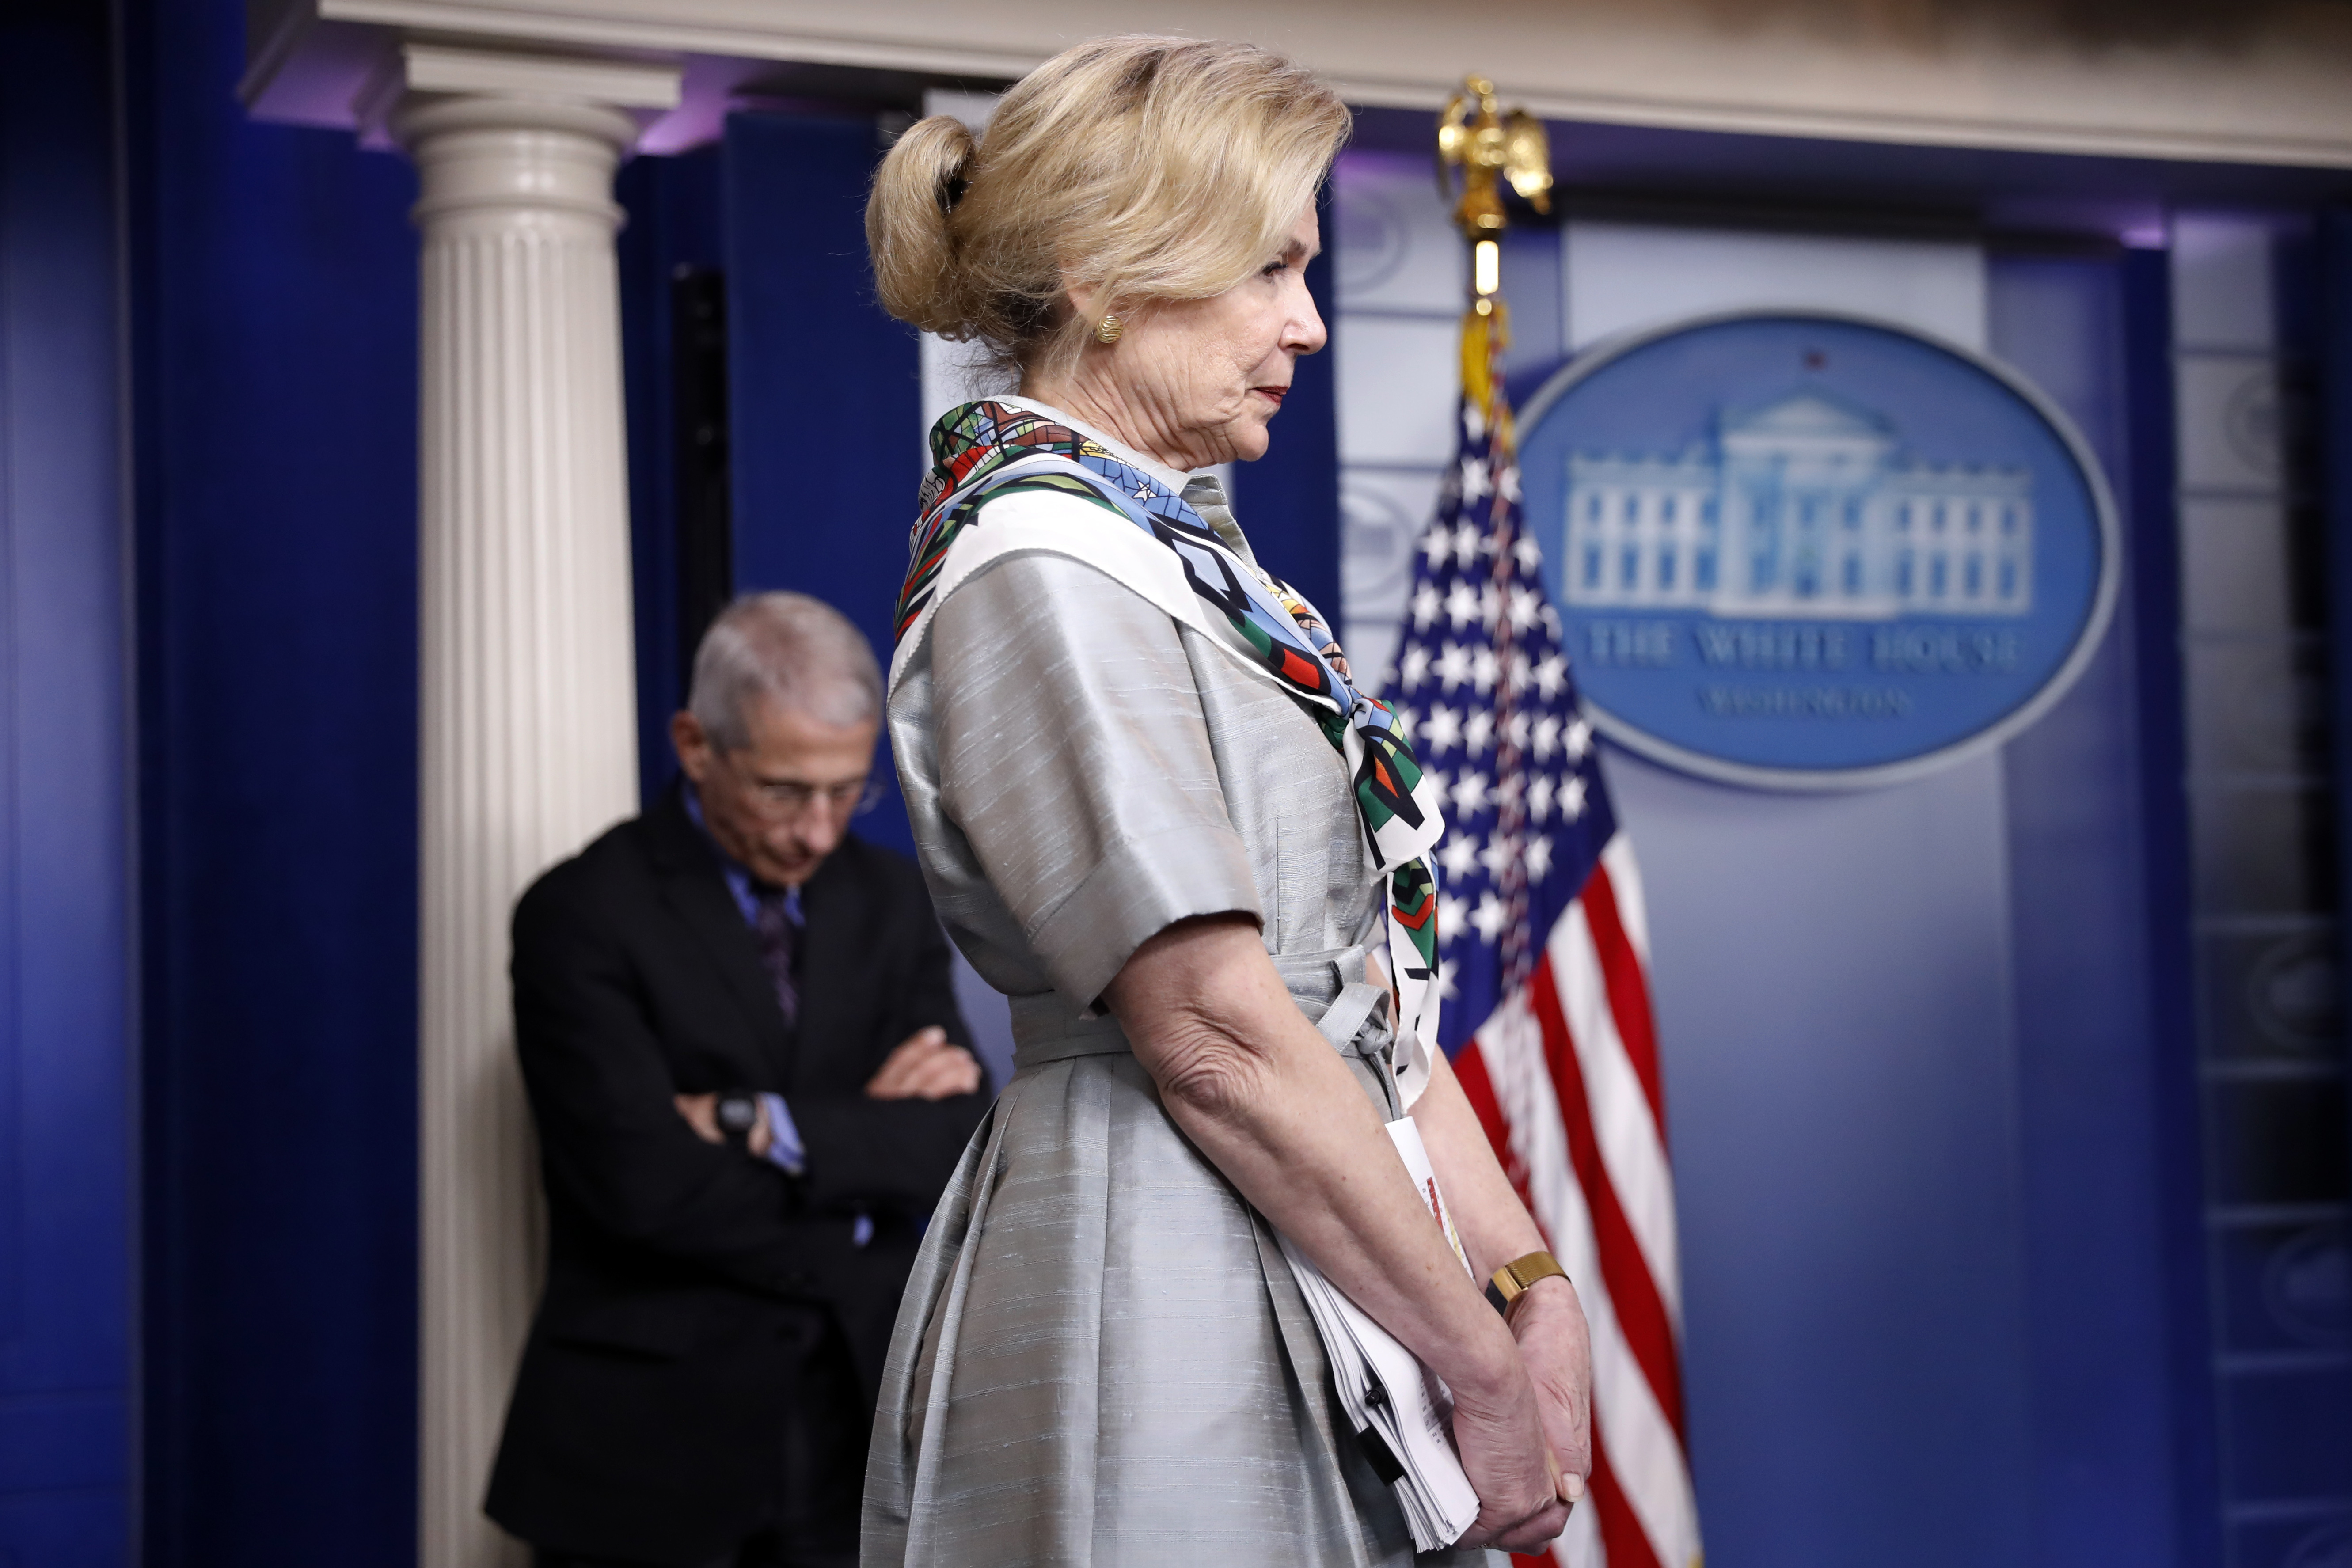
[1565,1076]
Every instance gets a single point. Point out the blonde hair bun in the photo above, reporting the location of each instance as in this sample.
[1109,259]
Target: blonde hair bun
[907,232]
[1145,168]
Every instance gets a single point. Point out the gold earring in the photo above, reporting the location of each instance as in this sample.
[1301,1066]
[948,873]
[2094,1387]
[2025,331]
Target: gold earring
[1108,332]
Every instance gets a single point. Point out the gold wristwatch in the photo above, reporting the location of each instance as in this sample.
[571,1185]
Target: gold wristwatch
[1511,1280]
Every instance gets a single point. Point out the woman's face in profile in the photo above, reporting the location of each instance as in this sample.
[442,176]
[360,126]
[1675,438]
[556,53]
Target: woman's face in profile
[1198,379]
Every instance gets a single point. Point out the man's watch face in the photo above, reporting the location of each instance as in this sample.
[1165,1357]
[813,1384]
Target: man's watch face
[736,1113]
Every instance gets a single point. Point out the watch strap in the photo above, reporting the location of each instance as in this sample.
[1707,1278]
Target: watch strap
[1511,1280]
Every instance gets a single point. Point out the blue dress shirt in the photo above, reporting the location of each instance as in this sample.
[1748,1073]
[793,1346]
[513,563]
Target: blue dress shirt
[784,1146]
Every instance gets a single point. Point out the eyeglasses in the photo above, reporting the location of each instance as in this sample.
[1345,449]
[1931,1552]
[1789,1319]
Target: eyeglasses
[788,800]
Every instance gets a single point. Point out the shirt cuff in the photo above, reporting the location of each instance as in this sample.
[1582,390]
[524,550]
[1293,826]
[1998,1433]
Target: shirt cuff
[785,1147]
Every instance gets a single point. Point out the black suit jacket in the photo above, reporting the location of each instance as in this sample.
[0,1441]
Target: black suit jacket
[699,1302]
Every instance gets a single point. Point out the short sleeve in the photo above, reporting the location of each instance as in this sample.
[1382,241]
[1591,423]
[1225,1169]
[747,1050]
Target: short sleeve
[1075,758]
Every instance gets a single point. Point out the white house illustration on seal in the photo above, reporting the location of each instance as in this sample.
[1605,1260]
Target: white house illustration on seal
[1801,508]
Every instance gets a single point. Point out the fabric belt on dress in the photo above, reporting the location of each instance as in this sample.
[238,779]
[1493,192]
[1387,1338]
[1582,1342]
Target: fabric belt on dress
[1330,988]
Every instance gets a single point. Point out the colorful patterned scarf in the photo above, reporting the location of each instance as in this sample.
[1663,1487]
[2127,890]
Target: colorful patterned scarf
[984,451]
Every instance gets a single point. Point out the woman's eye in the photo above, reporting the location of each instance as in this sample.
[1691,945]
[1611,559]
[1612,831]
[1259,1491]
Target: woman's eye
[1273,266]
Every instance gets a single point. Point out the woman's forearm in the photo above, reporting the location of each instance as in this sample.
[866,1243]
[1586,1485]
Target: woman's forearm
[1264,1097]
[1496,1229]
[1493,1224]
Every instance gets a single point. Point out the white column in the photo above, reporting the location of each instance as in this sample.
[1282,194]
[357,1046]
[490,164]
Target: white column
[527,696]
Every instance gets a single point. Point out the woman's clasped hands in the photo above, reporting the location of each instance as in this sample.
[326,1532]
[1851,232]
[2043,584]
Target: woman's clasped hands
[1526,1434]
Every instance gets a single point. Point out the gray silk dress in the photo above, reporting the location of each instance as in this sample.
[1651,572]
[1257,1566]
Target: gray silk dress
[1101,1357]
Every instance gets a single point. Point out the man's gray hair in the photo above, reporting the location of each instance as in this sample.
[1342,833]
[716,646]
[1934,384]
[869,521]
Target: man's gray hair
[795,651]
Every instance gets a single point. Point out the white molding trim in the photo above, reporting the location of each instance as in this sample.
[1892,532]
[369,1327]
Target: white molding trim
[416,70]
[2276,90]
[625,84]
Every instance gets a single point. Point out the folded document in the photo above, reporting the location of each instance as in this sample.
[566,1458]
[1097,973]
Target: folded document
[1400,1410]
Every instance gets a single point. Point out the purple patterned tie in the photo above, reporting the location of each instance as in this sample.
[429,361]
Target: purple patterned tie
[779,936]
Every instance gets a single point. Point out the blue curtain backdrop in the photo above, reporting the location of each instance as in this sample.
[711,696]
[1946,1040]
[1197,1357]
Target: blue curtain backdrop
[673,223]
[825,391]
[65,1132]
[274,286]
[2332,331]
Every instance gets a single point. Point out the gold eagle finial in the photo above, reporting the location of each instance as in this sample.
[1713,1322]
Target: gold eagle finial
[1478,146]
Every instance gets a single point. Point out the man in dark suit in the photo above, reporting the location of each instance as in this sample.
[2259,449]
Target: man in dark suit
[751,1082]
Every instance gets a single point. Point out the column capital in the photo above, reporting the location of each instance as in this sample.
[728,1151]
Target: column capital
[425,90]
[511,132]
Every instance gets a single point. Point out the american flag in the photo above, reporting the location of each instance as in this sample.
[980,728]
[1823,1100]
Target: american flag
[1543,967]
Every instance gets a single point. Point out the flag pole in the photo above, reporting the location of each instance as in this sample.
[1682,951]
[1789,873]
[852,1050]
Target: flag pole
[1543,952]
[1480,148]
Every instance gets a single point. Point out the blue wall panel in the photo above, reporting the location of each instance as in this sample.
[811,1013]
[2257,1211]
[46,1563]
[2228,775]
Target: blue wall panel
[1832,981]
[2332,261]
[274,276]
[826,390]
[2090,1062]
[1938,1193]
[1832,975]
[66,1224]
[673,222]
[2146,493]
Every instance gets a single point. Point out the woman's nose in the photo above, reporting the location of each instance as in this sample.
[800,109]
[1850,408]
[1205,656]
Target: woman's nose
[1306,333]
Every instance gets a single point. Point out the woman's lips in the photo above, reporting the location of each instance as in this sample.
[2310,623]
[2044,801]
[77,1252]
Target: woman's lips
[1273,394]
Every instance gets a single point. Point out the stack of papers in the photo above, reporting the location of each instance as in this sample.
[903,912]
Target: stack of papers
[1402,1411]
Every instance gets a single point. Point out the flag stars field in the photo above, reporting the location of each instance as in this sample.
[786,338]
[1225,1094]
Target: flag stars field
[1572,798]
[1547,737]
[1551,677]
[1453,665]
[1489,919]
[1476,484]
[1470,543]
[1478,732]
[1539,793]
[1500,851]
[1461,605]
[1538,857]
[1470,792]
[1459,857]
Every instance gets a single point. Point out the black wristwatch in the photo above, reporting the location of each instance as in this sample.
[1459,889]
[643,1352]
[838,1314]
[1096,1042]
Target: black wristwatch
[737,1111]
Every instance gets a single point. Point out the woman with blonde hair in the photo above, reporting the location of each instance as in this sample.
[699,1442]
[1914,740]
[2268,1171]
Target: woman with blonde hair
[1155,811]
